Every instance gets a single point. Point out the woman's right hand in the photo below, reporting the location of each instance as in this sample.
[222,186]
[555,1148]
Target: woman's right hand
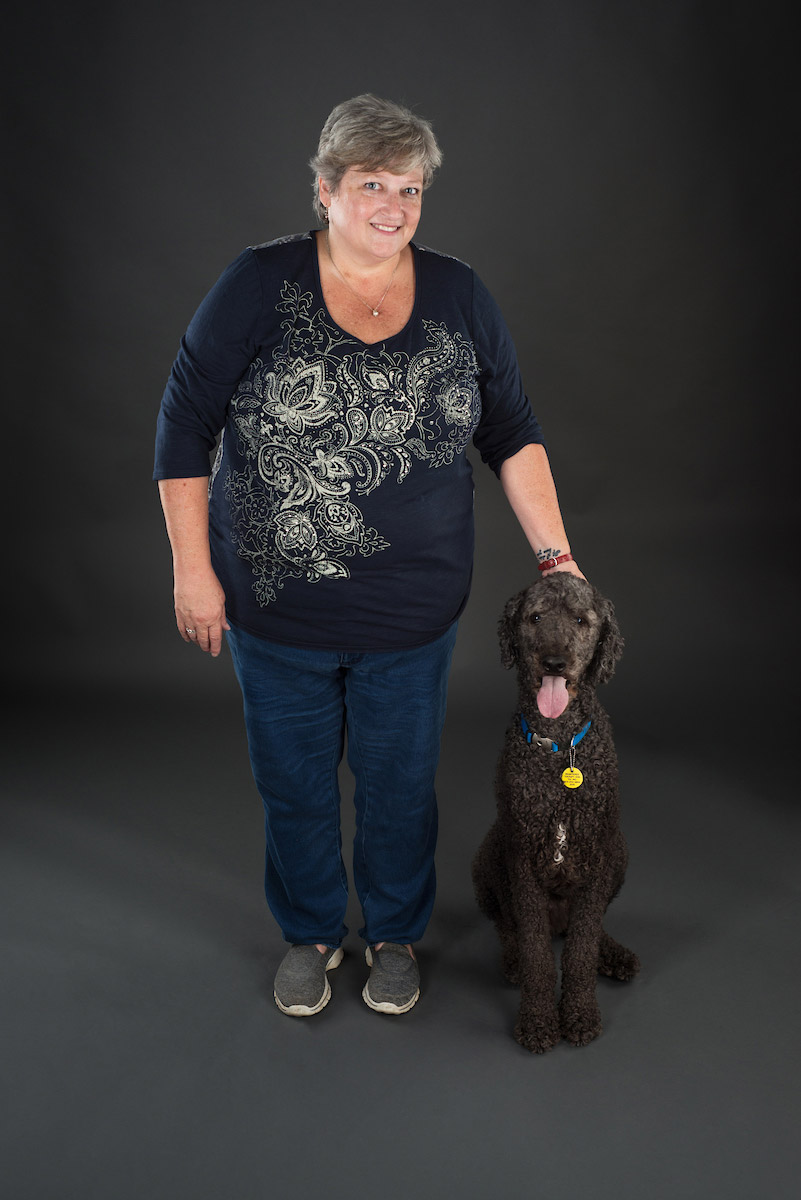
[200,609]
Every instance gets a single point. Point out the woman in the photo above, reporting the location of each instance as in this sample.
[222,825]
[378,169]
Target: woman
[348,369]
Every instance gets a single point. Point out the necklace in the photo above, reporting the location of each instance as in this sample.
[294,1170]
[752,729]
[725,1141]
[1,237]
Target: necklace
[375,311]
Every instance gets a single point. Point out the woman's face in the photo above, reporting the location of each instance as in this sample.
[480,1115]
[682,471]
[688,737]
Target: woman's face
[373,214]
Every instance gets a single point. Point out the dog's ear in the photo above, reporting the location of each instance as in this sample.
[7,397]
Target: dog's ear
[610,644]
[507,629]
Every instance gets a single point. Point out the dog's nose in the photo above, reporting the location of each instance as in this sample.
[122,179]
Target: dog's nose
[554,665]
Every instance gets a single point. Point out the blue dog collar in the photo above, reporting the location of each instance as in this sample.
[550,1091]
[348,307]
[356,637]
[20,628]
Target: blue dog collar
[547,743]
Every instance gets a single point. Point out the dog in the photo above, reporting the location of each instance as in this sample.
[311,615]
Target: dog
[555,856]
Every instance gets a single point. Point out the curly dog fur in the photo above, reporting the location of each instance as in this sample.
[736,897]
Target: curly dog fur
[555,856]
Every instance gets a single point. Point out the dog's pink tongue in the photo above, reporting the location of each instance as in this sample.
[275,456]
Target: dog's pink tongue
[552,697]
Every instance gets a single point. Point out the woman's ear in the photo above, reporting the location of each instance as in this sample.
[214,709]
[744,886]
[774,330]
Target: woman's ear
[324,192]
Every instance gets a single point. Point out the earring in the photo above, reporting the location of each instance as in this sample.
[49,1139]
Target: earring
[325,215]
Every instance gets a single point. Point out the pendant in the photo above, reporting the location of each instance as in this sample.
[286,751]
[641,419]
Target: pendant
[375,312]
[572,777]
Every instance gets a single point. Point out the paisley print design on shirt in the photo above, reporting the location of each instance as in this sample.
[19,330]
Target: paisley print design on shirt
[327,421]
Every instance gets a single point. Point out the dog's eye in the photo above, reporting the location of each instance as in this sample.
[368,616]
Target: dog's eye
[579,620]
[534,617]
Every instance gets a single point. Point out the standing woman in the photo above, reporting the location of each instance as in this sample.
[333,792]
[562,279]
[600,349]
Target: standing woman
[348,369]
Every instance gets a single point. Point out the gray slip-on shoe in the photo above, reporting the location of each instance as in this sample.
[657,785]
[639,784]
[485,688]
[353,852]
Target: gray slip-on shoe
[301,986]
[394,983]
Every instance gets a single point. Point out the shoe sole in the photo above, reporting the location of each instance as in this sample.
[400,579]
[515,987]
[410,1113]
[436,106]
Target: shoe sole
[304,1010]
[384,1006]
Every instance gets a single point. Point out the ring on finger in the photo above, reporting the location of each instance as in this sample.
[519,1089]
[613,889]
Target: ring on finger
[191,631]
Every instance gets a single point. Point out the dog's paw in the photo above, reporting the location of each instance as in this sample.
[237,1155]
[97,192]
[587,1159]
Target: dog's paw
[616,961]
[580,1025]
[537,1033]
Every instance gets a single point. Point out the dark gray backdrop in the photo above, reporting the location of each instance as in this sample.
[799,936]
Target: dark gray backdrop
[621,175]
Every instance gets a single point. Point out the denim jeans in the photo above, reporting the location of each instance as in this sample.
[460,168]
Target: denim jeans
[298,704]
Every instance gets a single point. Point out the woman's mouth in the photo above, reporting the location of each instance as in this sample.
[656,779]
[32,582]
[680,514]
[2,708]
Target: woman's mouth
[385,228]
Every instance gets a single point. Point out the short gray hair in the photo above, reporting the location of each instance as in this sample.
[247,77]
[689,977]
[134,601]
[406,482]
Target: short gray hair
[377,135]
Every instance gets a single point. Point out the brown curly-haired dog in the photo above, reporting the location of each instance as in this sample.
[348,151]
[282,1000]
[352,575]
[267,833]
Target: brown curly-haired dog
[555,856]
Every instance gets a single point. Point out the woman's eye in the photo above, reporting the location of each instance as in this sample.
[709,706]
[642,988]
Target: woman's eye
[412,191]
[371,185]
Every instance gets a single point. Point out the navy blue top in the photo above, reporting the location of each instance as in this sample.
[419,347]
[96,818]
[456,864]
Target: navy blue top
[341,498]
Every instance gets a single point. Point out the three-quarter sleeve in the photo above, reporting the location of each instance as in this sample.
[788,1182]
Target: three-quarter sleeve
[215,351]
[507,423]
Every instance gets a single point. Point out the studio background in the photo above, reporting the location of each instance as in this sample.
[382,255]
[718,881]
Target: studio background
[620,176]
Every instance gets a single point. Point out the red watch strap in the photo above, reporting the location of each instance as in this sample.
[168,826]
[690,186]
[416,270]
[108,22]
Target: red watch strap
[550,563]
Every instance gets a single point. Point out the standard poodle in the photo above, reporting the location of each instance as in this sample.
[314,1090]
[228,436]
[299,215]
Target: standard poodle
[555,856]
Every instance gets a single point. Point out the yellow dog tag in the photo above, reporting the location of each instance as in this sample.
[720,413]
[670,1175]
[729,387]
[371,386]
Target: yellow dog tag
[572,777]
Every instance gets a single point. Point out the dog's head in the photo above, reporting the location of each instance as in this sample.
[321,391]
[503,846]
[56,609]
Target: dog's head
[560,633]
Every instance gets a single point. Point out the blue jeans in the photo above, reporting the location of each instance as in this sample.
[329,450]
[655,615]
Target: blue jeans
[298,704]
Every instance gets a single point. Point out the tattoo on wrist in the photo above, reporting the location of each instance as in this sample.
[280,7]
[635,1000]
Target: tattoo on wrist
[543,555]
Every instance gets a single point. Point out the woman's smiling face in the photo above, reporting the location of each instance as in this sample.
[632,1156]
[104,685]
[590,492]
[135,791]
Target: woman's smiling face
[373,214]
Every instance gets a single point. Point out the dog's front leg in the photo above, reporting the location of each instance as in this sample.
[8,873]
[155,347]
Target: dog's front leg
[579,1014]
[537,1027]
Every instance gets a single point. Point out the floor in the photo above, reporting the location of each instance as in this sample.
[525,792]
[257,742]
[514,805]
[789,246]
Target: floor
[145,1057]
